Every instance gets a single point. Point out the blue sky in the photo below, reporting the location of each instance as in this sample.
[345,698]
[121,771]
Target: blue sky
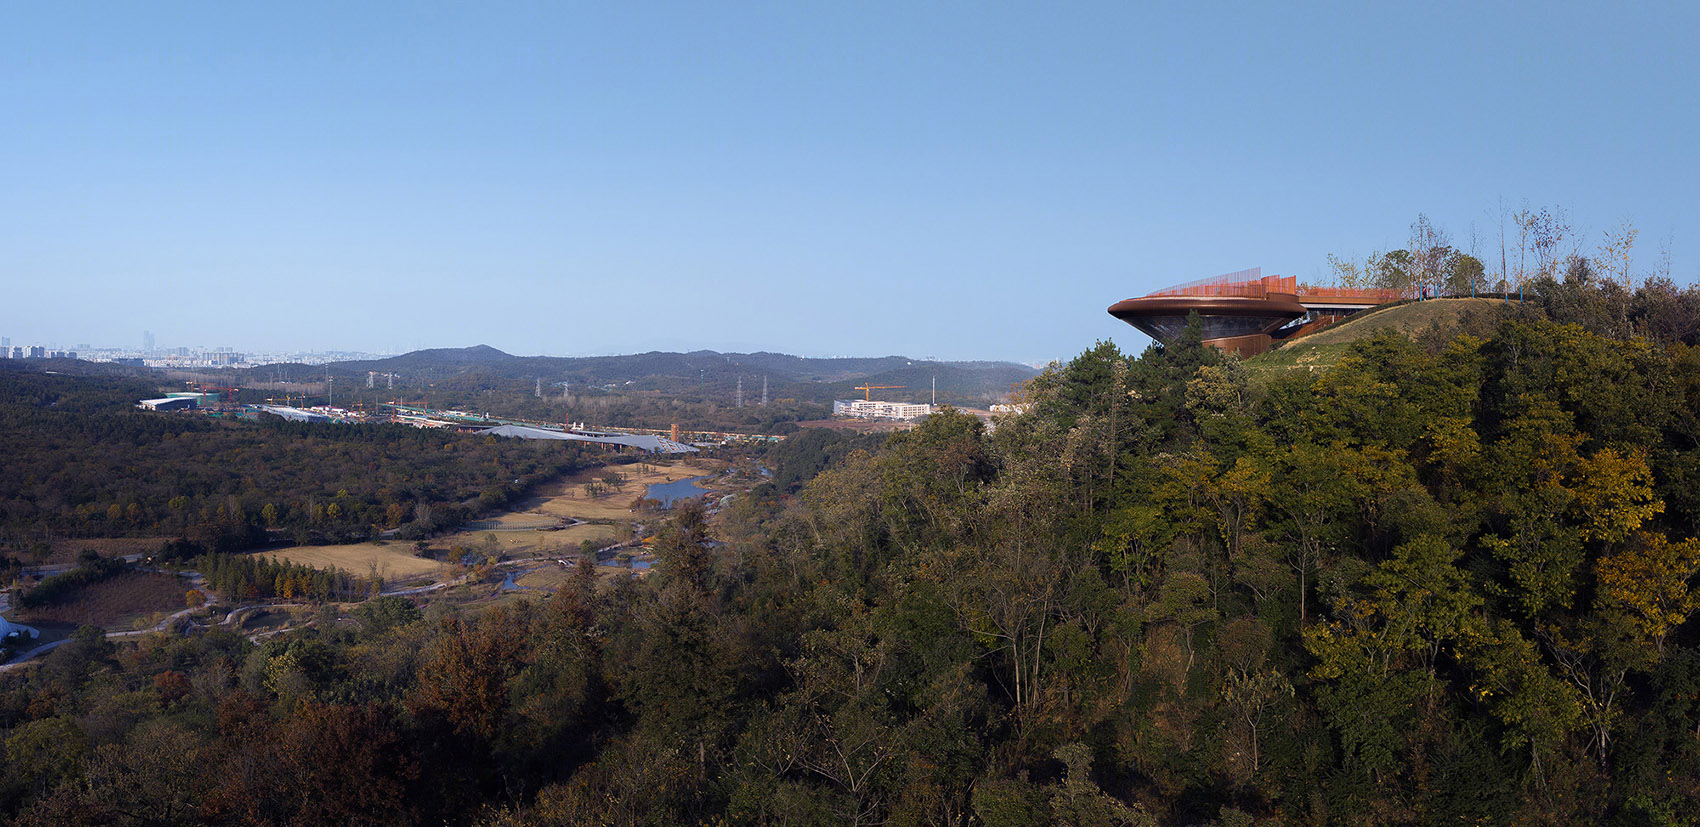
[959,180]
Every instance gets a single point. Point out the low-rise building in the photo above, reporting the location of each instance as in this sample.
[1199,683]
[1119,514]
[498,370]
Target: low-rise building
[876,409]
[169,403]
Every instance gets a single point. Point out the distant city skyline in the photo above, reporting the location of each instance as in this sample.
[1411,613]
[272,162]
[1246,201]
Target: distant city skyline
[957,180]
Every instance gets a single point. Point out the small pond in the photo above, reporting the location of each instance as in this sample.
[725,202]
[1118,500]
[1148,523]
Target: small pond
[668,492]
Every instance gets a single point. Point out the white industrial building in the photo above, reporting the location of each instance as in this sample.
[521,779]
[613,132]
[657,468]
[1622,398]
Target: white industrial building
[643,442]
[875,409]
[170,403]
[294,414]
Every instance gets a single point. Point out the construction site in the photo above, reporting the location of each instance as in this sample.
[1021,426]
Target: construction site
[870,408]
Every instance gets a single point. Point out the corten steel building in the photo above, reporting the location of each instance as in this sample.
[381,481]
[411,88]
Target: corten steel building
[1246,312]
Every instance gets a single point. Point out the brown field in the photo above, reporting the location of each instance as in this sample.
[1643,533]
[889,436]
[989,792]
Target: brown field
[393,561]
[396,561]
[553,577]
[130,600]
[562,499]
[514,520]
[518,543]
[66,549]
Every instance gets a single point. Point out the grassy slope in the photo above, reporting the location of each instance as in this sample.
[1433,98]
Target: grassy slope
[1319,351]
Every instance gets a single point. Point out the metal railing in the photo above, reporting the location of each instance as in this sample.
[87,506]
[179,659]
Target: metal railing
[1252,284]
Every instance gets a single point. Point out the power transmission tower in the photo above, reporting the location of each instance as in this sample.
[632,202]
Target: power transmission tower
[764,391]
[539,392]
[740,391]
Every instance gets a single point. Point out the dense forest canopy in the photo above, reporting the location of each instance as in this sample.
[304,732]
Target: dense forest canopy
[77,460]
[1441,582]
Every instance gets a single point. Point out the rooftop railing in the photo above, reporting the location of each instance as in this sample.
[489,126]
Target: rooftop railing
[1252,284]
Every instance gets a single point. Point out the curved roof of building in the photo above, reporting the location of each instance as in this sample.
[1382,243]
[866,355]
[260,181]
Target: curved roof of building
[1275,304]
[646,442]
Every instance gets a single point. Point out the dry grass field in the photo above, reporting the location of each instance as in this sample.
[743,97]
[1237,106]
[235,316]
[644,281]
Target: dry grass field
[567,497]
[554,577]
[549,577]
[513,532]
[514,521]
[394,561]
[1409,319]
[575,536]
[520,543]
[128,601]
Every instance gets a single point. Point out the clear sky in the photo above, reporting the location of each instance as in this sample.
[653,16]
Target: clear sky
[958,180]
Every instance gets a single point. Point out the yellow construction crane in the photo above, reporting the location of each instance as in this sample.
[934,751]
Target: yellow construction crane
[868,390]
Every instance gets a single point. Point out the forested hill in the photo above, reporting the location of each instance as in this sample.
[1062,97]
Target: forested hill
[703,371]
[1446,582]
[77,460]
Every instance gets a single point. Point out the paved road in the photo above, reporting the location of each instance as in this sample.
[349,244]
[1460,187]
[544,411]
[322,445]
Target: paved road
[193,577]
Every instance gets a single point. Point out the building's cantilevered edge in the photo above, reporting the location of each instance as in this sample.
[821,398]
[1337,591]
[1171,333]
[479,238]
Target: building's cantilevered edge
[1244,312]
[1224,317]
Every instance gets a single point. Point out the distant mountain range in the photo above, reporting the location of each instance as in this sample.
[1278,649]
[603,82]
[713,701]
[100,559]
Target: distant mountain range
[707,370]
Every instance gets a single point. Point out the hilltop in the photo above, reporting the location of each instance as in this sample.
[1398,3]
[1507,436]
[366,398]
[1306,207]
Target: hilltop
[1321,350]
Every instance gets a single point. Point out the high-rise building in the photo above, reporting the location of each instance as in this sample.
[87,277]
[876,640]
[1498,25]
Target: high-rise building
[147,341]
